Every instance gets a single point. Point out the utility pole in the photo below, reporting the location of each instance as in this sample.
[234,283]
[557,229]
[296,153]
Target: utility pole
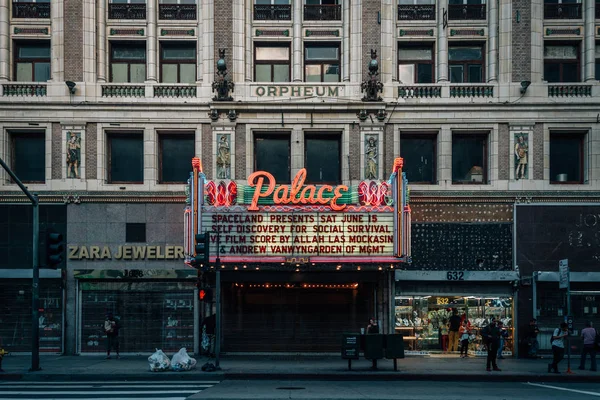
[218,310]
[35,287]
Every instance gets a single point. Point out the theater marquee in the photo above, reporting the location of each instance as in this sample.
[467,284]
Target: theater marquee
[266,222]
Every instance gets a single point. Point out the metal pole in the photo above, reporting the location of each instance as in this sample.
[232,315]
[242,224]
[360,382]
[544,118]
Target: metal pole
[35,291]
[218,310]
[569,316]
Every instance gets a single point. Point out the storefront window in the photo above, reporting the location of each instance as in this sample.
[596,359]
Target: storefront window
[421,319]
[151,315]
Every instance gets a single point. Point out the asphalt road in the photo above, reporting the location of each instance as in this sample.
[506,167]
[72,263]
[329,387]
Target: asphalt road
[398,390]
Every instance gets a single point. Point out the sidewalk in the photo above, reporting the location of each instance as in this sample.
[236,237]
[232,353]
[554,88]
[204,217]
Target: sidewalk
[322,367]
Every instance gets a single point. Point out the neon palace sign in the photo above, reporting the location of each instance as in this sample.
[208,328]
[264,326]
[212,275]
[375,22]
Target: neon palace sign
[263,221]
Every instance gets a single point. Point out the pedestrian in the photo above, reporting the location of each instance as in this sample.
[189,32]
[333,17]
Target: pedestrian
[372,327]
[558,346]
[111,328]
[491,337]
[464,339]
[453,333]
[444,335]
[531,342]
[589,336]
[503,337]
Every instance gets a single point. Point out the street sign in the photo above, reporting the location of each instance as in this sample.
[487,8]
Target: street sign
[563,274]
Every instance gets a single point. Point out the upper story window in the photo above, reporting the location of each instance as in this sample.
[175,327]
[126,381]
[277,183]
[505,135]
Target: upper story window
[466,9]
[416,10]
[469,158]
[561,63]
[322,63]
[31,8]
[28,156]
[597,9]
[322,158]
[175,150]
[419,152]
[128,62]
[127,9]
[180,10]
[562,9]
[272,63]
[272,10]
[466,63]
[567,157]
[125,153]
[597,62]
[272,154]
[32,61]
[415,63]
[322,10]
[178,62]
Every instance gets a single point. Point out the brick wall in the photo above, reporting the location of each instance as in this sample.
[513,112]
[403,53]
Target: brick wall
[56,149]
[371,33]
[207,151]
[354,161]
[73,11]
[224,30]
[538,152]
[521,41]
[388,150]
[91,151]
[240,151]
[503,152]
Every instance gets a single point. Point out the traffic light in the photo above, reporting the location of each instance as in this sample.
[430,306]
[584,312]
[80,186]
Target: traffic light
[202,249]
[54,250]
[205,294]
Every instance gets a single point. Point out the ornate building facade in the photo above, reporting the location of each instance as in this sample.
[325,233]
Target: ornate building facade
[492,106]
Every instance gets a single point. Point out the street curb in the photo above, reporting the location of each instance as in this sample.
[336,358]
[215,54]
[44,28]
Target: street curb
[350,376]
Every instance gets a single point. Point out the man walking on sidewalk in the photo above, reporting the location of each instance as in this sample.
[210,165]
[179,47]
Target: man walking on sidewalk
[491,336]
[454,322]
[588,335]
[558,346]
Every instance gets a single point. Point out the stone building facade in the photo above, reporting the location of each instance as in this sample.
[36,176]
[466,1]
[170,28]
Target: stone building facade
[491,105]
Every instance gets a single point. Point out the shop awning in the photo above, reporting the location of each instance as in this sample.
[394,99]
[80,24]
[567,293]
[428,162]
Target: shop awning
[506,276]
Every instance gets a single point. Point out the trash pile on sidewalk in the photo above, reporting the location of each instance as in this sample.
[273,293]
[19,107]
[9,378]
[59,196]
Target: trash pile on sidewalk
[159,361]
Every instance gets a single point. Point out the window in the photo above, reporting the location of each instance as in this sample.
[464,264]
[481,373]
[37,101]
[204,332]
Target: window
[415,63]
[272,63]
[562,9]
[469,158]
[126,158]
[128,62]
[566,157]
[174,154]
[466,9]
[127,9]
[419,153]
[322,63]
[272,154]
[32,61]
[178,62]
[177,10]
[31,8]
[322,158]
[597,62]
[272,10]
[561,63]
[28,155]
[135,232]
[414,10]
[466,63]
[322,10]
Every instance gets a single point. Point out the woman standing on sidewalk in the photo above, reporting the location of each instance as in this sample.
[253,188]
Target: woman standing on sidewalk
[464,339]
[558,346]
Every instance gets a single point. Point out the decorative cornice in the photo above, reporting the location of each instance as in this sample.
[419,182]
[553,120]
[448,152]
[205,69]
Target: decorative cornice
[31,31]
[335,32]
[96,197]
[272,32]
[177,32]
[467,32]
[564,31]
[416,32]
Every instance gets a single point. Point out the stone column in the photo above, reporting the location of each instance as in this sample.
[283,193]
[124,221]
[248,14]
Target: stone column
[249,49]
[151,54]
[346,41]
[208,40]
[537,43]
[505,13]
[297,42]
[442,43]
[589,41]
[492,54]
[101,41]
[58,38]
[199,46]
[4,41]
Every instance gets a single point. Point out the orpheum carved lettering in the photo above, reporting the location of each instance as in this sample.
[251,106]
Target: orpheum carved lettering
[297,91]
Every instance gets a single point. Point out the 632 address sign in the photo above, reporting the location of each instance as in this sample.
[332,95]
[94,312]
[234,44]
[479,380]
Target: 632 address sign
[455,275]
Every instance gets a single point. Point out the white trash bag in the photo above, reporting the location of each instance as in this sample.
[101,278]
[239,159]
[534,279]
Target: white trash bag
[159,361]
[182,362]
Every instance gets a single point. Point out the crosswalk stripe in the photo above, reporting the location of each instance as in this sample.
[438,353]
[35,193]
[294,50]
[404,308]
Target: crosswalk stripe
[116,382]
[16,392]
[174,385]
[95,398]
